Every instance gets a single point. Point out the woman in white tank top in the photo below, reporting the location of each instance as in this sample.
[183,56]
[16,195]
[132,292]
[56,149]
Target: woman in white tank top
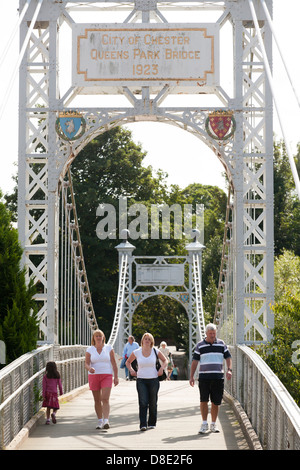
[147,383]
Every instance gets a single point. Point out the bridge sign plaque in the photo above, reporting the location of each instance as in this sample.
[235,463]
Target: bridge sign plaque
[128,55]
[170,275]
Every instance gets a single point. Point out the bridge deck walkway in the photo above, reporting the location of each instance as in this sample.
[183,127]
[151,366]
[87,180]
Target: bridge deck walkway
[177,427]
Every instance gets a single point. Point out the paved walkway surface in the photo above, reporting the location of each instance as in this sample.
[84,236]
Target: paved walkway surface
[177,427]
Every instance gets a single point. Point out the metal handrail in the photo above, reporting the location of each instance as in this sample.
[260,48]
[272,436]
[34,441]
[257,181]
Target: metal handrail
[272,411]
[21,384]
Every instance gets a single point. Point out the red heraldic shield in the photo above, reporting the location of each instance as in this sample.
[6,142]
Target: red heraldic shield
[220,124]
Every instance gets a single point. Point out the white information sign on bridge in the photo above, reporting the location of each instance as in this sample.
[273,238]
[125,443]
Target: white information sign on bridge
[127,55]
[170,275]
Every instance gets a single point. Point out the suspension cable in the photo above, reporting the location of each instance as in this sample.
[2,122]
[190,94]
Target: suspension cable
[79,241]
[77,316]
[21,55]
[270,78]
[13,34]
[270,22]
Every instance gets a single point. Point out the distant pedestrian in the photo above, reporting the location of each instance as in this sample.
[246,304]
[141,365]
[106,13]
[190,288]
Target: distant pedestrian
[163,348]
[101,365]
[130,346]
[211,353]
[51,382]
[174,373]
[147,383]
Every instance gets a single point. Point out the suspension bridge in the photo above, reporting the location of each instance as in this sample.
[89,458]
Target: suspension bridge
[55,127]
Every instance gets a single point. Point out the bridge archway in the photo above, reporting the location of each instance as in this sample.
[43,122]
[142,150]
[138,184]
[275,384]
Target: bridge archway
[143,277]
[193,123]
[44,157]
[181,349]
[171,303]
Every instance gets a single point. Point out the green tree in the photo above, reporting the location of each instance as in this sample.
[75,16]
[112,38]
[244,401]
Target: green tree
[18,321]
[209,299]
[165,318]
[286,275]
[286,203]
[279,353]
[111,166]
[214,201]
[108,168]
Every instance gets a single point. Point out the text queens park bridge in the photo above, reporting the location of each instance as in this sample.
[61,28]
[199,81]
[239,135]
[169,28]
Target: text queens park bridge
[146,60]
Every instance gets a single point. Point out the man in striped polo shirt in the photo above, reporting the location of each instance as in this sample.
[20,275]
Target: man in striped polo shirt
[211,353]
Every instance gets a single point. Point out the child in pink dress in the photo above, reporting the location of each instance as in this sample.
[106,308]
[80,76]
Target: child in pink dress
[51,381]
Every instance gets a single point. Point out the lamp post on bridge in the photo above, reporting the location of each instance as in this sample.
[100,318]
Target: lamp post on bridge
[125,247]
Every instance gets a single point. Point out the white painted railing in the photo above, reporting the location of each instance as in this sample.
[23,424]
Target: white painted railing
[21,384]
[271,410]
[273,413]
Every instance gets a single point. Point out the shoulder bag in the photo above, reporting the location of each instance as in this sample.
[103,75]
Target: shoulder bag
[158,366]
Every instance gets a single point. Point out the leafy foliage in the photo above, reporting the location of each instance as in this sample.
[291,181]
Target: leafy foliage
[286,275]
[286,203]
[166,320]
[279,353]
[108,168]
[18,321]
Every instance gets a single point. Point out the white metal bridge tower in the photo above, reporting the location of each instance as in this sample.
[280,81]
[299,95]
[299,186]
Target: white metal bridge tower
[53,88]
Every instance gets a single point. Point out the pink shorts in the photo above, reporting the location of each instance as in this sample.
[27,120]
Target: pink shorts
[98,381]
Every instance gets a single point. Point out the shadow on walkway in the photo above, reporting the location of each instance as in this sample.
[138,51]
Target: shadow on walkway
[177,427]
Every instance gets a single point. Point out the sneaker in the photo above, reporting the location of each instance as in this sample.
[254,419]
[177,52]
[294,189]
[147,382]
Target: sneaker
[47,422]
[203,429]
[99,425]
[53,418]
[214,428]
[105,425]
[151,427]
[143,428]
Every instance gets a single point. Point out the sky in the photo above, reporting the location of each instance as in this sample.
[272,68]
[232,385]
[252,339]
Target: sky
[180,154]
